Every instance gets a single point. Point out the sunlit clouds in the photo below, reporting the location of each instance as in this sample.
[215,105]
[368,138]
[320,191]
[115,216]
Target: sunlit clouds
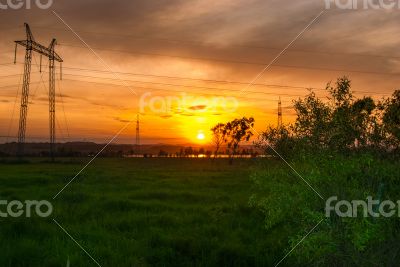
[188,62]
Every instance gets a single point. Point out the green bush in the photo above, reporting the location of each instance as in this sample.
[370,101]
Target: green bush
[285,199]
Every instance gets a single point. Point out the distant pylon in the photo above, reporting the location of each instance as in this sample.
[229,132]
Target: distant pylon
[137,135]
[280,124]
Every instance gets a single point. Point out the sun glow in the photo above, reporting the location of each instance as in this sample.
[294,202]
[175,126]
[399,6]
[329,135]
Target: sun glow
[201,136]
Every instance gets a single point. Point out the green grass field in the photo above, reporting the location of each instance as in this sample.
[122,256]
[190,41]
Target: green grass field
[138,212]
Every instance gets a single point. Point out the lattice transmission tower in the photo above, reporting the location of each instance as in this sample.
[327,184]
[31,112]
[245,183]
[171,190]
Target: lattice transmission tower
[280,124]
[137,135]
[32,46]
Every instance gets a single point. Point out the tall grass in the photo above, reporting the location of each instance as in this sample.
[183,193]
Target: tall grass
[138,212]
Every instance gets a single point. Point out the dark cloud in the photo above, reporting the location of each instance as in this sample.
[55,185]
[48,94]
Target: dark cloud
[121,120]
[198,107]
[287,107]
[187,114]
[166,116]
[251,31]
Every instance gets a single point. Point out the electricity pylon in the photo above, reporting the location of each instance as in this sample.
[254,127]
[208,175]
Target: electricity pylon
[31,45]
[28,43]
[280,114]
[52,97]
[137,135]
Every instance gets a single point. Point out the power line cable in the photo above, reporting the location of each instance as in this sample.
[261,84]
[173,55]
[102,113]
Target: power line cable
[166,90]
[176,85]
[199,43]
[216,88]
[13,110]
[259,84]
[63,108]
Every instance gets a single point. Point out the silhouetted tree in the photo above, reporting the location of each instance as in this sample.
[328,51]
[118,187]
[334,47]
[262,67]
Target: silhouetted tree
[162,153]
[237,131]
[218,137]
[188,151]
[342,134]
[282,141]
[339,125]
[391,119]
[312,122]
[363,120]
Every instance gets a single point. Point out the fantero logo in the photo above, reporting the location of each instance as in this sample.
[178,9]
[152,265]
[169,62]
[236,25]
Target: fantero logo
[16,208]
[370,208]
[25,4]
[167,104]
[362,4]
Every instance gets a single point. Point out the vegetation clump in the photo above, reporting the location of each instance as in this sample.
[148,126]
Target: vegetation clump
[344,147]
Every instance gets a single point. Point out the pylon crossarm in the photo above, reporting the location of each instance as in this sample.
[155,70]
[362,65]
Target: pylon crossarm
[40,49]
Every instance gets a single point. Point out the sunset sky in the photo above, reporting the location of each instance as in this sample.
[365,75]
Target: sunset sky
[195,55]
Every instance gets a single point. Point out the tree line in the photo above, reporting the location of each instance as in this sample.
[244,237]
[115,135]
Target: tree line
[343,123]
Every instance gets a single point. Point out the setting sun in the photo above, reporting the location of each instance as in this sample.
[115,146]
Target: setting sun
[201,136]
